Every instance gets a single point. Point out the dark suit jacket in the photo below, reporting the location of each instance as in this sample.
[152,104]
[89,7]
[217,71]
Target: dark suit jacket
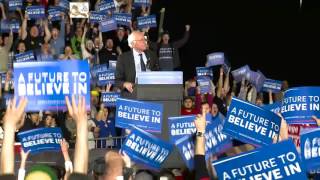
[126,70]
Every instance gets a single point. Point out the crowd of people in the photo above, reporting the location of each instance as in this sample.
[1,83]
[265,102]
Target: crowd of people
[73,39]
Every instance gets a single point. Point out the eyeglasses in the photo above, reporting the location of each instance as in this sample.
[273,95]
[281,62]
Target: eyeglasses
[140,40]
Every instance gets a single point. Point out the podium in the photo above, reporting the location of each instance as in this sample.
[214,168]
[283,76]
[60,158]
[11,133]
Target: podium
[163,87]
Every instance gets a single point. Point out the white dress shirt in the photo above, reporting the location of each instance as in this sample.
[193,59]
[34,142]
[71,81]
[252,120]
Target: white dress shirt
[137,60]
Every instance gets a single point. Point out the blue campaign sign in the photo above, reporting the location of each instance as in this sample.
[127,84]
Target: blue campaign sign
[14,25]
[147,21]
[251,124]
[5,27]
[144,115]
[204,84]
[106,5]
[216,142]
[123,18]
[106,77]
[214,59]
[276,161]
[64,5]
[46,84]
[3,77]
[140,3]
[97,17]
[185,146]
[300,104]
[4,103]
[272,85]
[25,57]
[15,4]
[275,107]
[41,139]
[109,24]
[310,145]
[36,12]
[180,127]
[112,64]
[204,71]
[109,98]
[146,149]
[241,72]
[257,79]
[55,13]
[98,68]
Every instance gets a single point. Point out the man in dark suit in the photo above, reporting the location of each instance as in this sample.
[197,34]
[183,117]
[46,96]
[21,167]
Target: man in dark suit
[139,59]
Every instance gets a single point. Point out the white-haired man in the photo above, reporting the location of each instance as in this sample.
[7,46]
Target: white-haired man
[139,59]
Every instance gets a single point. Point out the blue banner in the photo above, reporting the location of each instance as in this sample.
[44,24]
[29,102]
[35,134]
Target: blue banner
[98,68]
[144,115]
[160,77]
[6,97]
[241,72]
[182,126]
[140,3]
[214,59]
[216,142]
[257,79]
[36,12]
[299,104]
[204,71]
[46,84]
[5,26]
[96,17]
[109,24]
[251,124]
[275,107]
[41,139]
[310,146]
[204,84]
[25,57]
[55,13]
[14,25]
[123,19]
[64,5]
[147,21]
[109,99]
[277,161]
[273,85]
[112,64]
[15,4]
[106,77]
[106,5]
[146,149]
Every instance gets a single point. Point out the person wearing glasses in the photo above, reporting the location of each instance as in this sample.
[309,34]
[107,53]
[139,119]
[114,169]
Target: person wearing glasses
[138,59]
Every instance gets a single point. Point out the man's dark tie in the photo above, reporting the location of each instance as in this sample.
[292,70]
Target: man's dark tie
[143,66]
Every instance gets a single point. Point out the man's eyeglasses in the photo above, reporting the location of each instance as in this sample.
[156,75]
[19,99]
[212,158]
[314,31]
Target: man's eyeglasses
[140,40]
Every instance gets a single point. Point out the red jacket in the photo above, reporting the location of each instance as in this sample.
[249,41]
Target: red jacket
[185,112]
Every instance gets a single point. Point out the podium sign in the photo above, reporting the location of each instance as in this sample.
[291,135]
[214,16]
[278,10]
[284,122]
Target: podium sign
[160,77]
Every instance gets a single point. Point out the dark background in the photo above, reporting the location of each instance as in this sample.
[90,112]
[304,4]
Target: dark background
[278,37]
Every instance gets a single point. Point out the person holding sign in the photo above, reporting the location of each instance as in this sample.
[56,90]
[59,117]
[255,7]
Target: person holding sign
[199,158]
[33,39]
[57,41]
[139,59]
